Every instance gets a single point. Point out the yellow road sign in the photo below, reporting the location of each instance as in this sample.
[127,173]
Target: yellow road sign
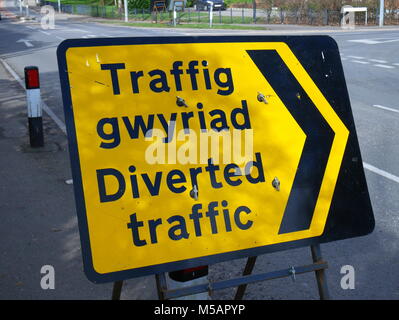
[187,150]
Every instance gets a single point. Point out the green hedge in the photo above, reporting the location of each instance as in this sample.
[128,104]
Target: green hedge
[139,4]
[230,2]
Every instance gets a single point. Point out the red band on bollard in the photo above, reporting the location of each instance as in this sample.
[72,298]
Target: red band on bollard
[33,98]
[32,78]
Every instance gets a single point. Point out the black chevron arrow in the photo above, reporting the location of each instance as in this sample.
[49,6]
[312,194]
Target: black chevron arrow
[319,138]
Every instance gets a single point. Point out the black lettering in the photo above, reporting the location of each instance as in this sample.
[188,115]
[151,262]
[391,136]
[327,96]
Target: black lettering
[104,197]
[113,67]
[185,117]
[194,172]
[168,127]
[201,117]
[207,78]
[152,225]
[244,112]
[237,219]
[226,216]
[135,225]
[114,135]
[211,168]
[232,170]
[222,120]
[161,80]
[172,181]
[176,72]
[193,74]
[181,226]
[259,166]
[211,214]
[153,188]
[138,124]
[196,216]
[133,182]
[228,83]
[134,76]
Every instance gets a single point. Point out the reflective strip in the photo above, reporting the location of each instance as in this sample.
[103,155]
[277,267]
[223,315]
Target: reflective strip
[34,103]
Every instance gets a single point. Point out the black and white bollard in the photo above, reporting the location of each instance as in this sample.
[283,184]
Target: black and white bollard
[34,103]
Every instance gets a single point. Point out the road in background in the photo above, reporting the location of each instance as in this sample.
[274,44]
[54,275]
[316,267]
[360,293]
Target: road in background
[371,67]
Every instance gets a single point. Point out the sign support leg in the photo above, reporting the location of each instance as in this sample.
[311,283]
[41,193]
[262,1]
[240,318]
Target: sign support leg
[247,270]
[161,285]
[318,267]
[117,289]
[320,274]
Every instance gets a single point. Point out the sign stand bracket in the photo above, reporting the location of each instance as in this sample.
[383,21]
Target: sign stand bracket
[318,266]
[320,274]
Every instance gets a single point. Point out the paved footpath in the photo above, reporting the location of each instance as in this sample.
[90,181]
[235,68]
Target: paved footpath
[38,218]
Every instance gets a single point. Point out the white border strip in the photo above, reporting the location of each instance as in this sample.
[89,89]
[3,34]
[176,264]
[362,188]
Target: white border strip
[383,66]
[46,109]
[360,61]
[385,108]
[381,172]
[356,57]
[378,61]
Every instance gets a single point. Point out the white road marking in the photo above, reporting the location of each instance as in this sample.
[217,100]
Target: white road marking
[44,32]
[73,30]
[387,41]
[27,42]
[60,38]
[14,97]
[358,61]
[343,59]
[29,27]
[46,109]
[365,41]
[380,172]
[371,41]
[383,66]
[385,108]
[378,61]
[356,57]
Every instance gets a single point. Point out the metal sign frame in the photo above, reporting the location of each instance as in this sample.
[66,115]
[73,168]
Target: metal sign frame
[350,213]
[318,267]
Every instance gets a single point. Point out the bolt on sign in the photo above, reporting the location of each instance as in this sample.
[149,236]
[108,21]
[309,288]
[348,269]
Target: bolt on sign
[194,150]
